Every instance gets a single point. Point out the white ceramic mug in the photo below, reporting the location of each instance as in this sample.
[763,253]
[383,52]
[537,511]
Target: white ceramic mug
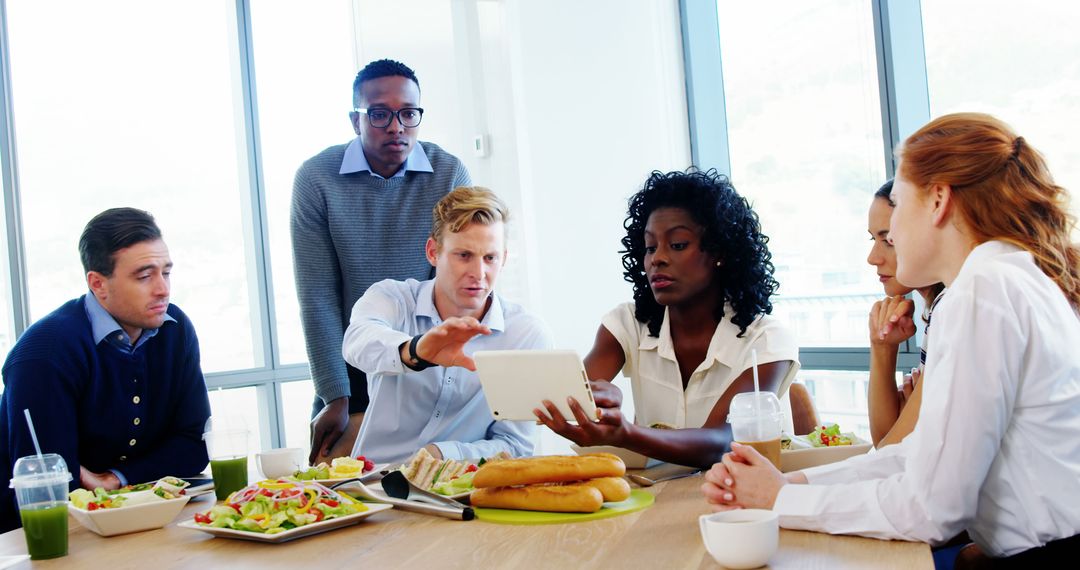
[744,538]
[282,462]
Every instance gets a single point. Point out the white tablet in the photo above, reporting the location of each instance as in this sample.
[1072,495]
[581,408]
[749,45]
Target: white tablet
[516,382]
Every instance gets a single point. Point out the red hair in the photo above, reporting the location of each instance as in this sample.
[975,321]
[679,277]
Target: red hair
[1001,187]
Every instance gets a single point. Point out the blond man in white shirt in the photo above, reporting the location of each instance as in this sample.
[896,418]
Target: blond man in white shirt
[994,451]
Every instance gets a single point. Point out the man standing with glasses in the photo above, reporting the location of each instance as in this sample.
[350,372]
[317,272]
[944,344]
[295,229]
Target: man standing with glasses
[361,213]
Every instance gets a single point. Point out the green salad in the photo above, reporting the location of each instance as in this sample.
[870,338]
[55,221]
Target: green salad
[828,436]
[274,506]
[166,488]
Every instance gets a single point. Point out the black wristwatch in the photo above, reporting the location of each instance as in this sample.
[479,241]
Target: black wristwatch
[415,362]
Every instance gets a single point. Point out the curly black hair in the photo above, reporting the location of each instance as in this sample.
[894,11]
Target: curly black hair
[381,68]
[732,234]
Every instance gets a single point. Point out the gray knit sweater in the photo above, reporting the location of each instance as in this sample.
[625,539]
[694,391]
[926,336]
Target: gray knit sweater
[352,230]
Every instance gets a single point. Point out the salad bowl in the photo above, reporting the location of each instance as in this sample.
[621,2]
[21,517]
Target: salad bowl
[144,511]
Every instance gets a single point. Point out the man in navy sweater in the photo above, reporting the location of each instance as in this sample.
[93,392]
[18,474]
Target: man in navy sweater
[112,378]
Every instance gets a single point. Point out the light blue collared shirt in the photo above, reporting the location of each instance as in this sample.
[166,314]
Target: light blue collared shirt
[104,327]
[355,161]
[439,405]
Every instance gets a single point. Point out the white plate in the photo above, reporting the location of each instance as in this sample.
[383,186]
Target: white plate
[456,497]
[298,532]
[363,476]
[12,559]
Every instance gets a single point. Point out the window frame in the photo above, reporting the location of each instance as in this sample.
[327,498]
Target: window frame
[905,106]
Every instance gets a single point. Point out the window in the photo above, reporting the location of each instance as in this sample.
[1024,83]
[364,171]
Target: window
[1030,81]
[113,111]
[304,66]
[840,397]
[800,85]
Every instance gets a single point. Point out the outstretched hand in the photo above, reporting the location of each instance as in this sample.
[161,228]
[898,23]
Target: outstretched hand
[443,344]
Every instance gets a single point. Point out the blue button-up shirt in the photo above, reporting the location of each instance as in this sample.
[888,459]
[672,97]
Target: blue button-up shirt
[439,405]
[104,327]
[355,161]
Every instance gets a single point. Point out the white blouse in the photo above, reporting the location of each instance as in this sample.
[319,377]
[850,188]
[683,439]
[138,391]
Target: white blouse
[996,450]
[654,372]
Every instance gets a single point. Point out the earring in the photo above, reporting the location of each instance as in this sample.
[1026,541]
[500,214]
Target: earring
[719,263]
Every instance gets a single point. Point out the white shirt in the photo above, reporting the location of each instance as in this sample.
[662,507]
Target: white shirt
[444,406]
[996,450]
[654,372]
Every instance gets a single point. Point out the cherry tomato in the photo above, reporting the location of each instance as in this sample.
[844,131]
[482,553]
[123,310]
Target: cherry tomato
[92,506]
[471,468]
[201,518]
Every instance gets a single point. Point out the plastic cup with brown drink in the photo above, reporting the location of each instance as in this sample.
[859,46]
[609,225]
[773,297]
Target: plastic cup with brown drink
[41,489]
[756,420]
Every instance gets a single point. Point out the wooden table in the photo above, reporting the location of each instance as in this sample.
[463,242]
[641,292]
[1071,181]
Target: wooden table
[663,536]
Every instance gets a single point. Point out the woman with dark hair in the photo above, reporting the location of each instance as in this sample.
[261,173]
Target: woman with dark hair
[702,277]
[892,412]
[995,450]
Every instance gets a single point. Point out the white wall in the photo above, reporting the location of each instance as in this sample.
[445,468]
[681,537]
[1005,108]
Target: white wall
[599,102]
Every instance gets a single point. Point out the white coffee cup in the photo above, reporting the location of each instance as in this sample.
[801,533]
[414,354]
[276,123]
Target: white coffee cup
[744,538]
[282,462]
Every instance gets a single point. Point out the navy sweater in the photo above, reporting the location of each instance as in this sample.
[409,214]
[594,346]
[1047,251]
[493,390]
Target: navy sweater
[85,398]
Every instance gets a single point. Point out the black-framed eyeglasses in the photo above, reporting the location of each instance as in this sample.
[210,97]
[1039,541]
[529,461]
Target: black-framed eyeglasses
[409,117]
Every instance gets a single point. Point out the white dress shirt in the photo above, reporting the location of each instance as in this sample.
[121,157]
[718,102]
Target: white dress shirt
[439,405]
[996,450]
[654,374]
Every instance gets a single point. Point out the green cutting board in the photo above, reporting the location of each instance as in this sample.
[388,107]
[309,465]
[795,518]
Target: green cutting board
[638,500]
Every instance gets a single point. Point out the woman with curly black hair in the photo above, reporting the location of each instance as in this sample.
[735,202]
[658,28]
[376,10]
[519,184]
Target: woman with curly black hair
[702,276]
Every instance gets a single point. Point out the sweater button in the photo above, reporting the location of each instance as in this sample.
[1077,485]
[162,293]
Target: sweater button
[137,421]
[131,443]
[135,399]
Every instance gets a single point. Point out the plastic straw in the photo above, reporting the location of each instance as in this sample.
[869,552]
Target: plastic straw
[757,394]
[37,447]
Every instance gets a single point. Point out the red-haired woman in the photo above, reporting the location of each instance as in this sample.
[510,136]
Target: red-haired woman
[995,450]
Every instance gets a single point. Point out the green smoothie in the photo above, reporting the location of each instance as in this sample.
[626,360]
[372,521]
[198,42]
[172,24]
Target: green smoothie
[229,475]
[46,528]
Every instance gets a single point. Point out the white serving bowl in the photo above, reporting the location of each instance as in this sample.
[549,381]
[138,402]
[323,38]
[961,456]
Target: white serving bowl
[146,515]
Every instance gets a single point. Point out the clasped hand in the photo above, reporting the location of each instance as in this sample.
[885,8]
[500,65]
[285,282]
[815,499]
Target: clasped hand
[744,479]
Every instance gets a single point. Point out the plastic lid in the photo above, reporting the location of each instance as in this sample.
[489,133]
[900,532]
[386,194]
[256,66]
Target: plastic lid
[743,406]
[33,471]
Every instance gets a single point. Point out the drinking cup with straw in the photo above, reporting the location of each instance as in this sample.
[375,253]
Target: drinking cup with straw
[756,418]
[41,484]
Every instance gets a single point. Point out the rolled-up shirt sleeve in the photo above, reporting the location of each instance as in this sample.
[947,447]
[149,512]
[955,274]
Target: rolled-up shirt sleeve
[927,488]
[374,337]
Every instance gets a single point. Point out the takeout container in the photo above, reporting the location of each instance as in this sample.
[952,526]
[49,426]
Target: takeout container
[144,514]
[631,459]
[797,459]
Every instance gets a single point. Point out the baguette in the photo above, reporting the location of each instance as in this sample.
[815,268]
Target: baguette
[548,469]
[554,498]
[614,489]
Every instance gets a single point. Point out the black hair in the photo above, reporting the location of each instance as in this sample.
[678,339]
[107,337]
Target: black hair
[381,68]
[732,234]
[886,192]
[113,230]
